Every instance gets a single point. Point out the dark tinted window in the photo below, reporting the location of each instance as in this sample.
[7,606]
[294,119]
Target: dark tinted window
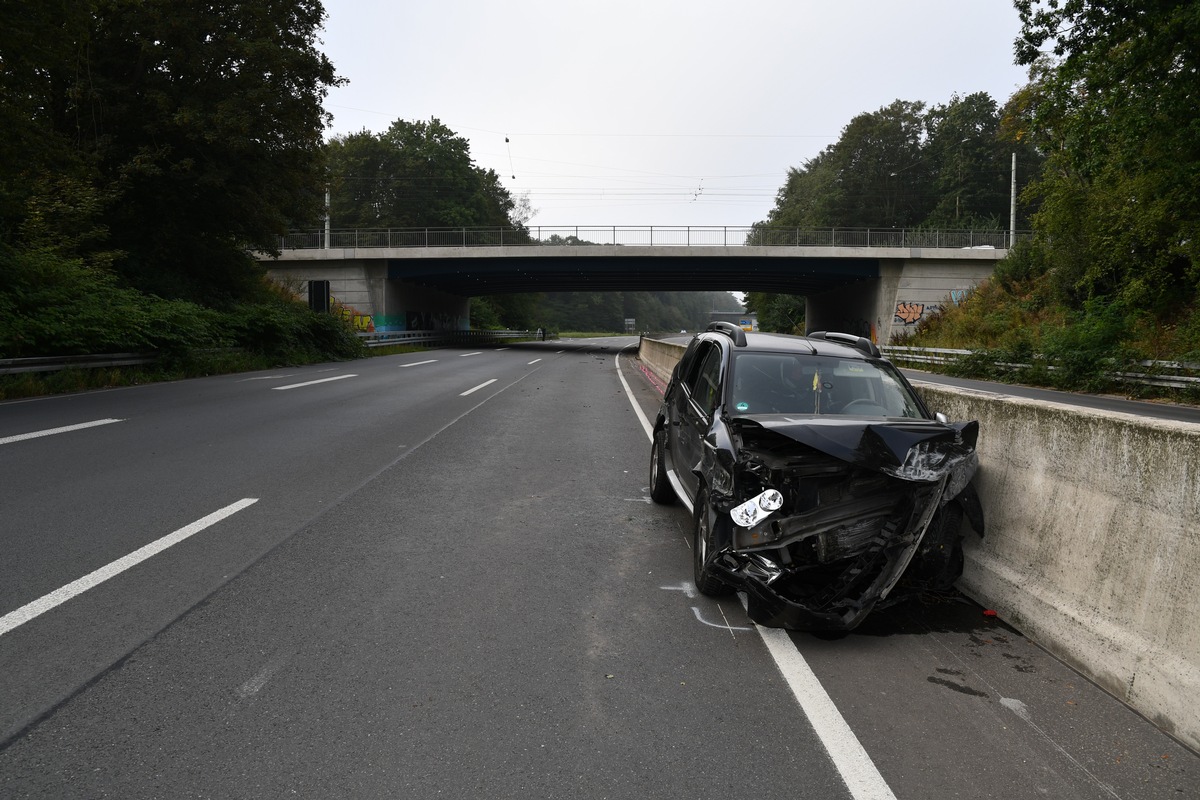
[704,384]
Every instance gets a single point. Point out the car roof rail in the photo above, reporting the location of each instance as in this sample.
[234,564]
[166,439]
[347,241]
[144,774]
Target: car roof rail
[729,329]
[857,342]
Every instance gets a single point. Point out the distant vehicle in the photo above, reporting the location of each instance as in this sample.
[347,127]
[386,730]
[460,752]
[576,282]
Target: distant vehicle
[819,483]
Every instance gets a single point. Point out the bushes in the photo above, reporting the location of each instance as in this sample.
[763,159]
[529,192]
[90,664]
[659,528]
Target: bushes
[54,306]
[285,331]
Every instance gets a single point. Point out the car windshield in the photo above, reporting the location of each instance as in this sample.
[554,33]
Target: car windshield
[786,383]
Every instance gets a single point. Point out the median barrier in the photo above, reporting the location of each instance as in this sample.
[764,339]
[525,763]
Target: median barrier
[1092,547]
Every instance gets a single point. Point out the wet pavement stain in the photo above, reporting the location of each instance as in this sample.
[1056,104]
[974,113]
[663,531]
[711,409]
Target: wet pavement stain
[958,687]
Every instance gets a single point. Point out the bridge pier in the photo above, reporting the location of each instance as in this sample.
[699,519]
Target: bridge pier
[906,291]
[362,291]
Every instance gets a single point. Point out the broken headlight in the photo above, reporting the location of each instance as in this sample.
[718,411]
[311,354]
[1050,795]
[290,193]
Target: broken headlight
[756,509]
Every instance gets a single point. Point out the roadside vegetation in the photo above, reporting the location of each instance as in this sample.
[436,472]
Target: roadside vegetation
[1108,158]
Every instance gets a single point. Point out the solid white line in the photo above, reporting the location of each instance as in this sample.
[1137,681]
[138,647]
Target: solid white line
[477,388]
[845,751]
[313,383]
[65,429]
[464,355]
[531,363]
[59,596]
[419,363]
[636,408]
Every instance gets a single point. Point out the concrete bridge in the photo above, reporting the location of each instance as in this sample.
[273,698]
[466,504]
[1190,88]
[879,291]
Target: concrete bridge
[873,282]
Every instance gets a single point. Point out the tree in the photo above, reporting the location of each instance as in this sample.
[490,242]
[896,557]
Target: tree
[777,313]
[415,175]
[197,131]
[875,176]
[882,177]
[1115,100]
[969,164]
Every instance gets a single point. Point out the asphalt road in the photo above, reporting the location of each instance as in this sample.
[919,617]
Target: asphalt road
[439,575]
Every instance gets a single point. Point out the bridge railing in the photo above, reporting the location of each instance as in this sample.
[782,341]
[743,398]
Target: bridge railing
[648,236]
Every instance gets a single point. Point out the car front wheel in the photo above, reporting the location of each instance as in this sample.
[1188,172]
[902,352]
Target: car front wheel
[660,485]
[704,548]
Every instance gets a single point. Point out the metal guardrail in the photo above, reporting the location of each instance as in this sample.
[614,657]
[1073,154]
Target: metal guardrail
[1167,374]
[13,366]
[648,236]
[385,338]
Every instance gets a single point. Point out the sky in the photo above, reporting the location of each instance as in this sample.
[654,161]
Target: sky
[655,112]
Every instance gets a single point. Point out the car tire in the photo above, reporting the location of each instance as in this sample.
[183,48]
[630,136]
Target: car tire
[941,556]
[704,546]
[660,485]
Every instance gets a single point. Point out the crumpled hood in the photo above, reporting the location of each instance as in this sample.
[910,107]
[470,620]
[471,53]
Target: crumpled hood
[918,450]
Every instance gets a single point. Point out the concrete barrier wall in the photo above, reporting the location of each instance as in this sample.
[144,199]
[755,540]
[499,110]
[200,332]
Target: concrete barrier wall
[1093,543]
[660,357]
[1093,540]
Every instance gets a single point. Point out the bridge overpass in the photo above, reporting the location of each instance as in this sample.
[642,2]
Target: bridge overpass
[867,281]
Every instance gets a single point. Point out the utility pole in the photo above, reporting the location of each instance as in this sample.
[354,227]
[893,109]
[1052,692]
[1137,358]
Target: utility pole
[327,216]
[1012,206]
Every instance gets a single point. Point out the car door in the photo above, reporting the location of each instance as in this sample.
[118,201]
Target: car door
[696,403]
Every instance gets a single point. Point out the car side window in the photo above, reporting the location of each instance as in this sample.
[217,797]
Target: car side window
[705,383]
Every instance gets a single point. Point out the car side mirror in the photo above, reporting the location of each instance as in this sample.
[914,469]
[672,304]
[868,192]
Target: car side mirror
[942,418]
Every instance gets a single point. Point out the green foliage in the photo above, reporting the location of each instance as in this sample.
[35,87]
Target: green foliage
[777,313]
[908,166]
[169,137]
[414,175]
[285,331]
[484,315]
[607,311]
[1120,196]
[50,305]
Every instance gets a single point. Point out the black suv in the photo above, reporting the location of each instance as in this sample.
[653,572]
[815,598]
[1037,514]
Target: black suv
[820,484]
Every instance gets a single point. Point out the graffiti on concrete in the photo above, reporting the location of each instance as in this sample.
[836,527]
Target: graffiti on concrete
[909,313]
[958,295]
[363,323]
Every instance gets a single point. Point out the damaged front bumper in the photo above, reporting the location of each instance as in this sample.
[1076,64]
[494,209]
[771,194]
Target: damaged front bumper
[825,520]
